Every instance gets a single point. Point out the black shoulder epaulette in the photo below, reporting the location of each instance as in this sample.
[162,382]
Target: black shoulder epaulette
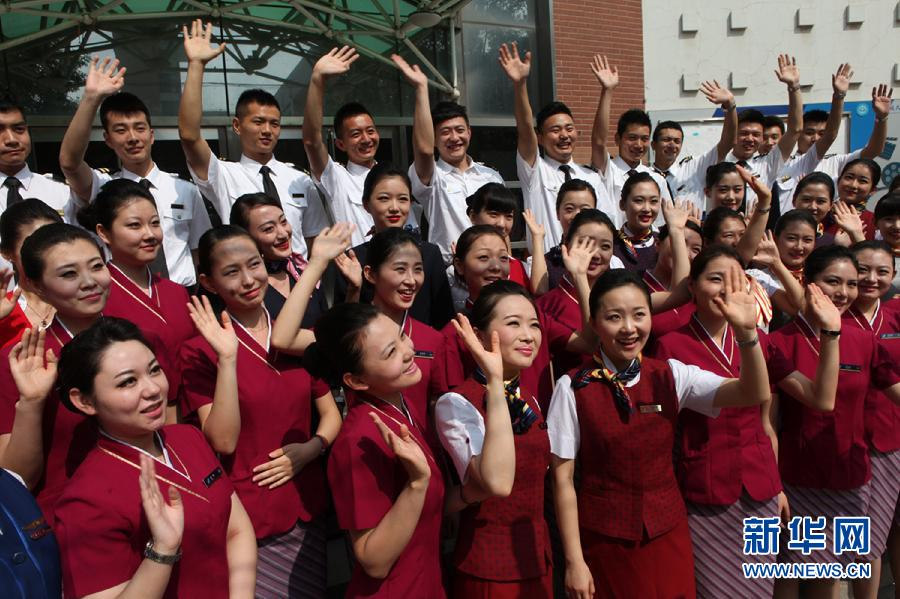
[760,156]
[828,156]
[685,160]
[590,167]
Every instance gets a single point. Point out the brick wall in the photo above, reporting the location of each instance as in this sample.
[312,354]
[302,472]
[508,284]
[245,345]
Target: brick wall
[582,28]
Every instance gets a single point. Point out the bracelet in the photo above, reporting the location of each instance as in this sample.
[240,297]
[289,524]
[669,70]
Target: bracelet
[828,333]
[159,558]
[763,210]
[840,94]
[731,106]
[323,441]
[793,89]
[749,343]
[881,119]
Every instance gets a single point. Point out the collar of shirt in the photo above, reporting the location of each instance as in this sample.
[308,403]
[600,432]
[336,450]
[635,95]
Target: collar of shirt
[25,177]
[555,164]
[644,242]
[624,166]
[357,170]
[253,166]
[612,368]
[449,168]
[153,176]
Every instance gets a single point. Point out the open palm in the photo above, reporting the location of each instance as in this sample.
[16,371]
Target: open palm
[197,43]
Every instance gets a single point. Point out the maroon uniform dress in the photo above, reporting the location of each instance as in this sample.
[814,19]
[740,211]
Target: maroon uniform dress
[12,327]
[276,399]
[823,456]
[726,466]
[365,479]
[561,306]
[634,529]
[430,358]
[503,547]
[668,321]
[882,422]
[102,530]
[163,313]
[637,254]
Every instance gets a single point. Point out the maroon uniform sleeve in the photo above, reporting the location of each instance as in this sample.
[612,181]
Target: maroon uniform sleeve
[885,372]
[778,363]
[89,534]
[454,372]
[198,378]
[318,387]
[556,334]
[361,476]
[9,394]
[438,384]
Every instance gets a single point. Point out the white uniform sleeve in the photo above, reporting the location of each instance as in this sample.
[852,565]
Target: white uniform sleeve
[562,421]
[98,180]
[773,166]
[199,219]
[833,165]
[765,278]
[214,187]
[527,173]
[314,217]
[696,388]
[616,262]
[460,429]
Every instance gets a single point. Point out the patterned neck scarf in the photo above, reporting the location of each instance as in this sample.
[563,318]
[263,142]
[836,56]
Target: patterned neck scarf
[293,265]
[615,380]
[520,413]
[820,229]
[763,303]
[631,240]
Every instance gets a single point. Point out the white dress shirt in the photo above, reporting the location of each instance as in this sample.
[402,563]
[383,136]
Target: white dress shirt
[800,165]
[687,177]
[765,166]
[230,180]
[444,200]
[53,193]
[182,215]
[540,186]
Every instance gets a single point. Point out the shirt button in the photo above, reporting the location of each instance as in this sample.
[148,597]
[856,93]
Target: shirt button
[18,557]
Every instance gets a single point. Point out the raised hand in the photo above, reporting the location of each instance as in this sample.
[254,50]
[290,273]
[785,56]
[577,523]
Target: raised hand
[881,100]
[407,450]
[738,306]
[33,369]
[824,312]
[414,75]
[286,462]
[717,94]
[104,78]
[332,242]
[535,228]
[577,259]
[787,71]
[336,62]
[8,303]
[767,251]
[677,213]
[840,81]
[763,193]
[490,360]
[221,337]
[847,218]
[197,46]
[607,75]
[165,519]
[517,69]
[350,268]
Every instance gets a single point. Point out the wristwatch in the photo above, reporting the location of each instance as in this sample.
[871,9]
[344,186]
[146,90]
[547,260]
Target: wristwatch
[828,333]
[159,558]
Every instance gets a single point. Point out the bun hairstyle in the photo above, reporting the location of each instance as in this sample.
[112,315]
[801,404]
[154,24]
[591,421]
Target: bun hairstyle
[613,279]
[384,243]
[110,199]
[714,221]
[715,173]
[471,235]
[823,257]
[494,197]
[22,214]
[574,185]
[379,172]
[490,296]
[79,360]
[814,178]
[795,216]
[635,179]
[336,350]
[710,253]
[36,245]
[240,210]
[209,241]
[589,215]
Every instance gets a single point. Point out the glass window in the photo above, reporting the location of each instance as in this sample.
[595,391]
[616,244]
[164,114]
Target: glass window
[488,91]
[513,12]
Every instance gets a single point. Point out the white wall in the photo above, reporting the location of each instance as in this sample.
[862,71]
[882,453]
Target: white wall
[748,56]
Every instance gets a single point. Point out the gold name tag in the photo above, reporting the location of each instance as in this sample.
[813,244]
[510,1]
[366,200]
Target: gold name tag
[651,408]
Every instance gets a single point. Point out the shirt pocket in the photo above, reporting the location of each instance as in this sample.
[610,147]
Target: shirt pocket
[176,218]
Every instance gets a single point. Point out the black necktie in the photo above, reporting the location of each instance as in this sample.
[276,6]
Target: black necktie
[12,186]
[567,171]
[268,185]
[744,164]
[630,174]
[665,176]
[159,265]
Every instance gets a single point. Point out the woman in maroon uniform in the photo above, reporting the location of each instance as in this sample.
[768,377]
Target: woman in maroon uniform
[255,409]
[815,192]
[493,430]
[795,237]
[23,307]
[882,418]
[635,242]
[200,542]
[385,480]
[625,531]
[38,440]
[726,466]
[822,455]
[124,217]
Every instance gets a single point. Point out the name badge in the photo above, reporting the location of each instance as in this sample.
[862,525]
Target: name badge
[420,353]
[851,367]
[213,477]
[890,336]
[178,206]
[37,529]
[298,195]
[651,408]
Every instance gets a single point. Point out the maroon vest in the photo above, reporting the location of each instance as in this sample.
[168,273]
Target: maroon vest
[506,538]
[627,482]
[718,457]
